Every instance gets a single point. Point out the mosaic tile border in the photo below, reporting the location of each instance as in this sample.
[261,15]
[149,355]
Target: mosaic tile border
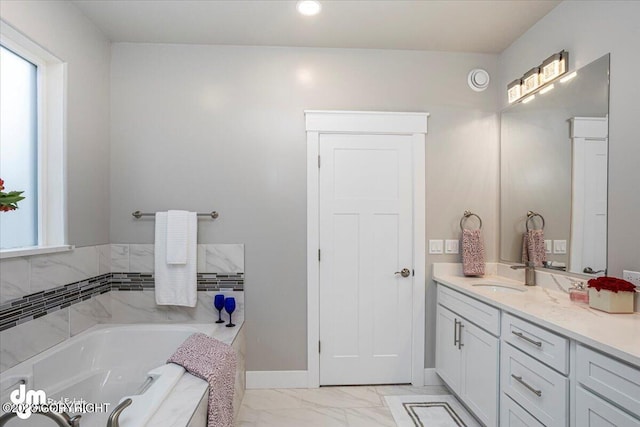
[32,306]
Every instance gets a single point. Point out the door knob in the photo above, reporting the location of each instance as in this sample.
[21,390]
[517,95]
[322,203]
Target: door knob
[405,272]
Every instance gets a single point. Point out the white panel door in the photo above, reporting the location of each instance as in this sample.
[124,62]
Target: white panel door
[589,204]
[365,237]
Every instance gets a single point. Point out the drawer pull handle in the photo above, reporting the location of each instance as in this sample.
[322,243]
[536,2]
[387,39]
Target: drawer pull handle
[455,332]
[521,381]
[520,335]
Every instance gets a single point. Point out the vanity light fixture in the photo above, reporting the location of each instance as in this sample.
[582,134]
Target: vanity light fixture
[309,7]
[540,78]
[546,89]
[568,77]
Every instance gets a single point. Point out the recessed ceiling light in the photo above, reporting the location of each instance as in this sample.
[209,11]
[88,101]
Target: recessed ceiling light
[308,7]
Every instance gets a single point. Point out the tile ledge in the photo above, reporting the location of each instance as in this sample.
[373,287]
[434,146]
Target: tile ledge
[34,250]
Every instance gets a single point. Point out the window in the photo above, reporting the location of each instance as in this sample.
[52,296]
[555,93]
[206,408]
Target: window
[19,148]
[32,127]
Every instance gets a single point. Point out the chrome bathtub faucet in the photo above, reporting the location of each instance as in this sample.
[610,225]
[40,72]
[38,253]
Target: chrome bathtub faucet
[529,272]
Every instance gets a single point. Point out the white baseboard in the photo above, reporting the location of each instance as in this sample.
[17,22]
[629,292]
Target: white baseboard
[431,378]
[276,379]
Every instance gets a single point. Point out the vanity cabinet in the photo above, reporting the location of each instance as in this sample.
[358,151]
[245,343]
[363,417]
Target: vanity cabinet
[467,355]
[534,368]
[607,390]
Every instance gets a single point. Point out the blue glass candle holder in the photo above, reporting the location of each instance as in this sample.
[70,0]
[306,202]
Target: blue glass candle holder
[230,306]
[218,303]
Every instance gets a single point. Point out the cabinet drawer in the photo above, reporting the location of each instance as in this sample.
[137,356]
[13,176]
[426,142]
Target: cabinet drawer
[512,414]
[483,315]
[591,411]
[537,388]
[548,347]
[612,379]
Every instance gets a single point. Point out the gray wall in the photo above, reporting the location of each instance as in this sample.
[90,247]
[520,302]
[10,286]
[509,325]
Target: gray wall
[212,127]
[63,30]
[588,30]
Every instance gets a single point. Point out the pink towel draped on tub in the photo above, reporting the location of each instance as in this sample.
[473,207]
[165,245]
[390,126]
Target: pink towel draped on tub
[472,253]
[214,362]
[533,247]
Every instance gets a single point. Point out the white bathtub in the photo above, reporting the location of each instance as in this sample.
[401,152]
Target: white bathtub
[105,364]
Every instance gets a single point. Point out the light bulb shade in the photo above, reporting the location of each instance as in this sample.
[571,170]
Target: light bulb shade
[514,90]
[553,67]
[530,81]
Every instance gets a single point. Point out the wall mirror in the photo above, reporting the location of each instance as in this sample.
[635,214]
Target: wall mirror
[553,161]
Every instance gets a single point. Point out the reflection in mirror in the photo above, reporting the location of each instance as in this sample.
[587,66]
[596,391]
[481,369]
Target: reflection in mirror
[553,161]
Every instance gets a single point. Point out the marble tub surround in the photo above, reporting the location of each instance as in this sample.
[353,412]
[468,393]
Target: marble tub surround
[212,258]
[27,275]
[141,307]
[547,306]
[117,307]
[186,405]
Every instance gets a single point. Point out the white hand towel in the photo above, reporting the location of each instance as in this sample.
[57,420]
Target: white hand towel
[176,284]
[177,237]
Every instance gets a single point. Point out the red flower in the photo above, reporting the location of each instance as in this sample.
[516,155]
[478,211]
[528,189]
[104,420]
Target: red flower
[611,284]
[1,184]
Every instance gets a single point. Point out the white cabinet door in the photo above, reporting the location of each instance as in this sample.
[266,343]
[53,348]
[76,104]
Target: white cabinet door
[480,355]
[591,411]
[448,356]
[366,235]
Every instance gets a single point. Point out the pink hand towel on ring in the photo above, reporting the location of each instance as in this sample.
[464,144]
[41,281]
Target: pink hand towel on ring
[472,253]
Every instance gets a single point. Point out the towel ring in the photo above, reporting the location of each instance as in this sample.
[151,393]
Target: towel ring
[531,215]
[466,215]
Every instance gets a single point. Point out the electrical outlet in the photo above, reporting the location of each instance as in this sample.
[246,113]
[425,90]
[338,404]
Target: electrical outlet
[632,276]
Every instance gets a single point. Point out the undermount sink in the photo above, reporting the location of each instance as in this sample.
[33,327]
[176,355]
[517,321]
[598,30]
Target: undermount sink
[500,288]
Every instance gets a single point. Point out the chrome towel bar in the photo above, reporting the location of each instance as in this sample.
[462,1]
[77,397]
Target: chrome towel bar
[138,214]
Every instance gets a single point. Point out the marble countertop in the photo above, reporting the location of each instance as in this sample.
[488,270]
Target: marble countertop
[615,334]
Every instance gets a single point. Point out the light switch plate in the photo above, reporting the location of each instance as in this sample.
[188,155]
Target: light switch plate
[632,276]
[548,246]
[436,246]
[559,246]
[451,246]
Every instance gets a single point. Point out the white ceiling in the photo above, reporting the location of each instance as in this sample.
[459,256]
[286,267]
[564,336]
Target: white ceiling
[450,25]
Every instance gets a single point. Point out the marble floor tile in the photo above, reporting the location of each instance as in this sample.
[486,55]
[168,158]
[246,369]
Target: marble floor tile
[271,399]
[357,406]
[308,417]
[405,390]
[340,397]
[379,416]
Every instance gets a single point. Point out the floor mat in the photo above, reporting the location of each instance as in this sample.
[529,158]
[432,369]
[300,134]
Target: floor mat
[429,411]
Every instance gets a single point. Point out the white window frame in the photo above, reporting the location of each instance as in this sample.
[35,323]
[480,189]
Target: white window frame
[51,109]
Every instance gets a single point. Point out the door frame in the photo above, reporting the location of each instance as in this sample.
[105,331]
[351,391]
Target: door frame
[365,122]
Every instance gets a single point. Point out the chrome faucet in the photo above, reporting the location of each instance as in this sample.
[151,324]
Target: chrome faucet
[62,419]
[529,272]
